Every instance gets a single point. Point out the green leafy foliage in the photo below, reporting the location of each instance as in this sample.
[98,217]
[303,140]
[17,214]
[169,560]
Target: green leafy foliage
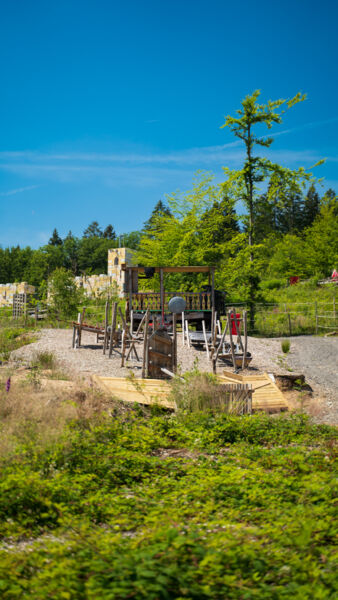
[201,506]
[64,295]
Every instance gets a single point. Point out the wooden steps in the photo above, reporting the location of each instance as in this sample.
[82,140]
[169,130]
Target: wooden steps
[266,395]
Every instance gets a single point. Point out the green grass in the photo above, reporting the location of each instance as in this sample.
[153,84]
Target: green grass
[285,346]
[159,507]
[11,338]
[296,306]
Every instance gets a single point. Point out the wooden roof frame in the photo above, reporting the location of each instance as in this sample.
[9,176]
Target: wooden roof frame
[192,269]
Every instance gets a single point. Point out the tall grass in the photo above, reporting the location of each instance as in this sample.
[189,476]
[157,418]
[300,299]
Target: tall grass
[201,392]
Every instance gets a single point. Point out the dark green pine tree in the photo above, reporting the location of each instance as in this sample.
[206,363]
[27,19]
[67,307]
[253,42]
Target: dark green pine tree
[109,233]
[311,207]
[290,214]
[330,199]
[265,219]
[93,230]
[161,209]
[55,240]
[220,222]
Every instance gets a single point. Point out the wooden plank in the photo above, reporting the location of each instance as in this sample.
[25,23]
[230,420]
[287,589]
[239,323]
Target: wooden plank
[160,353]
[192,269]
[141,391]
[266,394]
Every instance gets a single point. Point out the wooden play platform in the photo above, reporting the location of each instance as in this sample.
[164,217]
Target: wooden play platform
[142,391]
[266,395]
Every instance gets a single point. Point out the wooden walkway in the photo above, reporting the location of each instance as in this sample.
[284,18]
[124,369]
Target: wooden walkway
[266,395]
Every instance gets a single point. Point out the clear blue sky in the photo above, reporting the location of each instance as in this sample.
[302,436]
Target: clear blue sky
[108,105]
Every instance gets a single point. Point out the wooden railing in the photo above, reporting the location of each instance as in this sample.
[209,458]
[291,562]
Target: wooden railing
[152,300]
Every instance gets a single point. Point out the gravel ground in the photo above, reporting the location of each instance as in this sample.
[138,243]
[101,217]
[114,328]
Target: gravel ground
[90,359]
[315,357]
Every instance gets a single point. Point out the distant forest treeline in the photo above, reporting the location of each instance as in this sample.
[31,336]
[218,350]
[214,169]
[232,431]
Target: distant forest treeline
[295,237]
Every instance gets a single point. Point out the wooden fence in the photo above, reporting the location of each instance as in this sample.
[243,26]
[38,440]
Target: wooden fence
[292,318]
[152,300]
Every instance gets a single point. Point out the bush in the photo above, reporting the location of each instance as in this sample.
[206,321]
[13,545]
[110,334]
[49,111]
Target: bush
[64,295]
[45,360]
[272,284]
[154,507]
[285,346]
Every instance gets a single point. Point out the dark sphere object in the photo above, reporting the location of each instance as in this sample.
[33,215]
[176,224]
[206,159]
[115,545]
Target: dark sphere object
[177,304]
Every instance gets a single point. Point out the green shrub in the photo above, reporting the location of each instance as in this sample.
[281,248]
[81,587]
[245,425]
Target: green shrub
[285,346]
[45,360]
[154,507]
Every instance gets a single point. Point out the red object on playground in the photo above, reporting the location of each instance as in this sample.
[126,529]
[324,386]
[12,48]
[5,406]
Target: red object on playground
[294,280]
[235,323]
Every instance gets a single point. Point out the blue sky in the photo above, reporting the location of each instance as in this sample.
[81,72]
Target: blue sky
[107,106]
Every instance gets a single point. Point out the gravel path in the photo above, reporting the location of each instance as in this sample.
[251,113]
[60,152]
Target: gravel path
[315,357]
[90,359]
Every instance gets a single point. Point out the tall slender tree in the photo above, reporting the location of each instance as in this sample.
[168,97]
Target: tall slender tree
[244,183]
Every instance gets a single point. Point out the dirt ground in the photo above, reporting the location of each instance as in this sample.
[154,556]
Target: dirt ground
[314,357]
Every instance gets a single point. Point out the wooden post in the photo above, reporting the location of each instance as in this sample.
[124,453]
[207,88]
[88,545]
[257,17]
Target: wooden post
[25,309]
[131,321]
[80,326]
[162,296]
[134,339]
[212,300]
[183,328]
[205,339]
[231,340]
[219,327]
[222,341]
[214,335]
[130,274]
[123,348]
[74,334]
[289,319]
[316,315]
[105,327]
[174,351]
[187,333]
[145,345]
[245,327]
[113,327]
[122,318]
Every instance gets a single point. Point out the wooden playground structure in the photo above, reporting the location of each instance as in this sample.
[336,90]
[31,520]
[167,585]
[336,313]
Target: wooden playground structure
[147,332]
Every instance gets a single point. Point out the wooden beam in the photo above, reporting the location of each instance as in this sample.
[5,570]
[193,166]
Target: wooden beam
[192,269]
[162,296]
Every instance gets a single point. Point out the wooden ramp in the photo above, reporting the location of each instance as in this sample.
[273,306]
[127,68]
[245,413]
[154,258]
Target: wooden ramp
[266,395]
[142,391]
